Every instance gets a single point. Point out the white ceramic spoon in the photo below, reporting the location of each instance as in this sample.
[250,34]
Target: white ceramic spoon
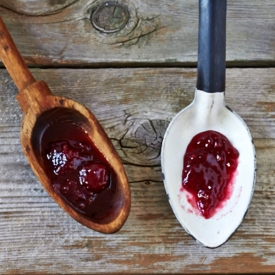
[209,112]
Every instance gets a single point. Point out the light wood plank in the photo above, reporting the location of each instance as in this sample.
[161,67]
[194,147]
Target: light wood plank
[158,32]
[134,106]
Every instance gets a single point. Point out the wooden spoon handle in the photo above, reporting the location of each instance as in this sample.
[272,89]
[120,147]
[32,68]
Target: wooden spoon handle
[13,61]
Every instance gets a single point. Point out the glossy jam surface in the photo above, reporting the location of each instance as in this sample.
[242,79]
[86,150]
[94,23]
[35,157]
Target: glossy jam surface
[209,167]
[78,171]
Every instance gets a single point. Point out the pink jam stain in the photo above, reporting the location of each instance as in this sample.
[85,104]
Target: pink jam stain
[209,168]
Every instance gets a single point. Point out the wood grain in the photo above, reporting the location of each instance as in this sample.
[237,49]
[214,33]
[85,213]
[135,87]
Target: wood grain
[134,106]
[163,33]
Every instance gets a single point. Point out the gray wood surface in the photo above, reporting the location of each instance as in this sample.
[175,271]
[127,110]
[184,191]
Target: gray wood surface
[59,33]
[134,106]
[133,80]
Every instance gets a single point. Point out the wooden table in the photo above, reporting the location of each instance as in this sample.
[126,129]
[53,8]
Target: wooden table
[135,68]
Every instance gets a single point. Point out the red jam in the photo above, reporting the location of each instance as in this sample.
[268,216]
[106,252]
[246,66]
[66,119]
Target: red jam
[78,171]
[209,167]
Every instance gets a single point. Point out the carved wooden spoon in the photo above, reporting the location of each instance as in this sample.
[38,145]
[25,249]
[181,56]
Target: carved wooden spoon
[41,110]
[209,114]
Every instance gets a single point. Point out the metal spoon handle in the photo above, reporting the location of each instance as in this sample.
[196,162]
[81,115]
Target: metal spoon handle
[212,46]
[13,61]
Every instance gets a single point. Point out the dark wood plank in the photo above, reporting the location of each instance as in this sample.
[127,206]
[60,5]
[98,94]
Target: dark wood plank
[134,106]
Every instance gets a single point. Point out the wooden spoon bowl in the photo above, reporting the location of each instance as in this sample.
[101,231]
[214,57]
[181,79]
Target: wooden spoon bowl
[40,109]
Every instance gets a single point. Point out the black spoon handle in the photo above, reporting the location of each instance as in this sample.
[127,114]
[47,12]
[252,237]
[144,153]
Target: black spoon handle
[212,46]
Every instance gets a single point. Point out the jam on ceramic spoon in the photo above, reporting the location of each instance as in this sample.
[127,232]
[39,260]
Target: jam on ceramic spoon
[209,111]
[210,163]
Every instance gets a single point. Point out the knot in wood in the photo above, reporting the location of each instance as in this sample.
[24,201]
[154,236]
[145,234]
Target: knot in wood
[142,143]
[110,17]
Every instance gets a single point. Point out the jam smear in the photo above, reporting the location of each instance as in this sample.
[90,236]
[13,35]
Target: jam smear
[209,167]
[78,171]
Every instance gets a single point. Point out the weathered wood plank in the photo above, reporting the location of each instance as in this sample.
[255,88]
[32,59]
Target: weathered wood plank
[134,106]
[158,32]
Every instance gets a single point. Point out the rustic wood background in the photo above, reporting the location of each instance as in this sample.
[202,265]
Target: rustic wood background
[134,80]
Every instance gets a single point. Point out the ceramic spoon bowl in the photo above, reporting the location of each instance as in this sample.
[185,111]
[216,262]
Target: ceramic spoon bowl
[209,112]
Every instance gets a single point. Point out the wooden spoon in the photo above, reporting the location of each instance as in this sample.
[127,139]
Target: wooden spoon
[40,108]
[208,112]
